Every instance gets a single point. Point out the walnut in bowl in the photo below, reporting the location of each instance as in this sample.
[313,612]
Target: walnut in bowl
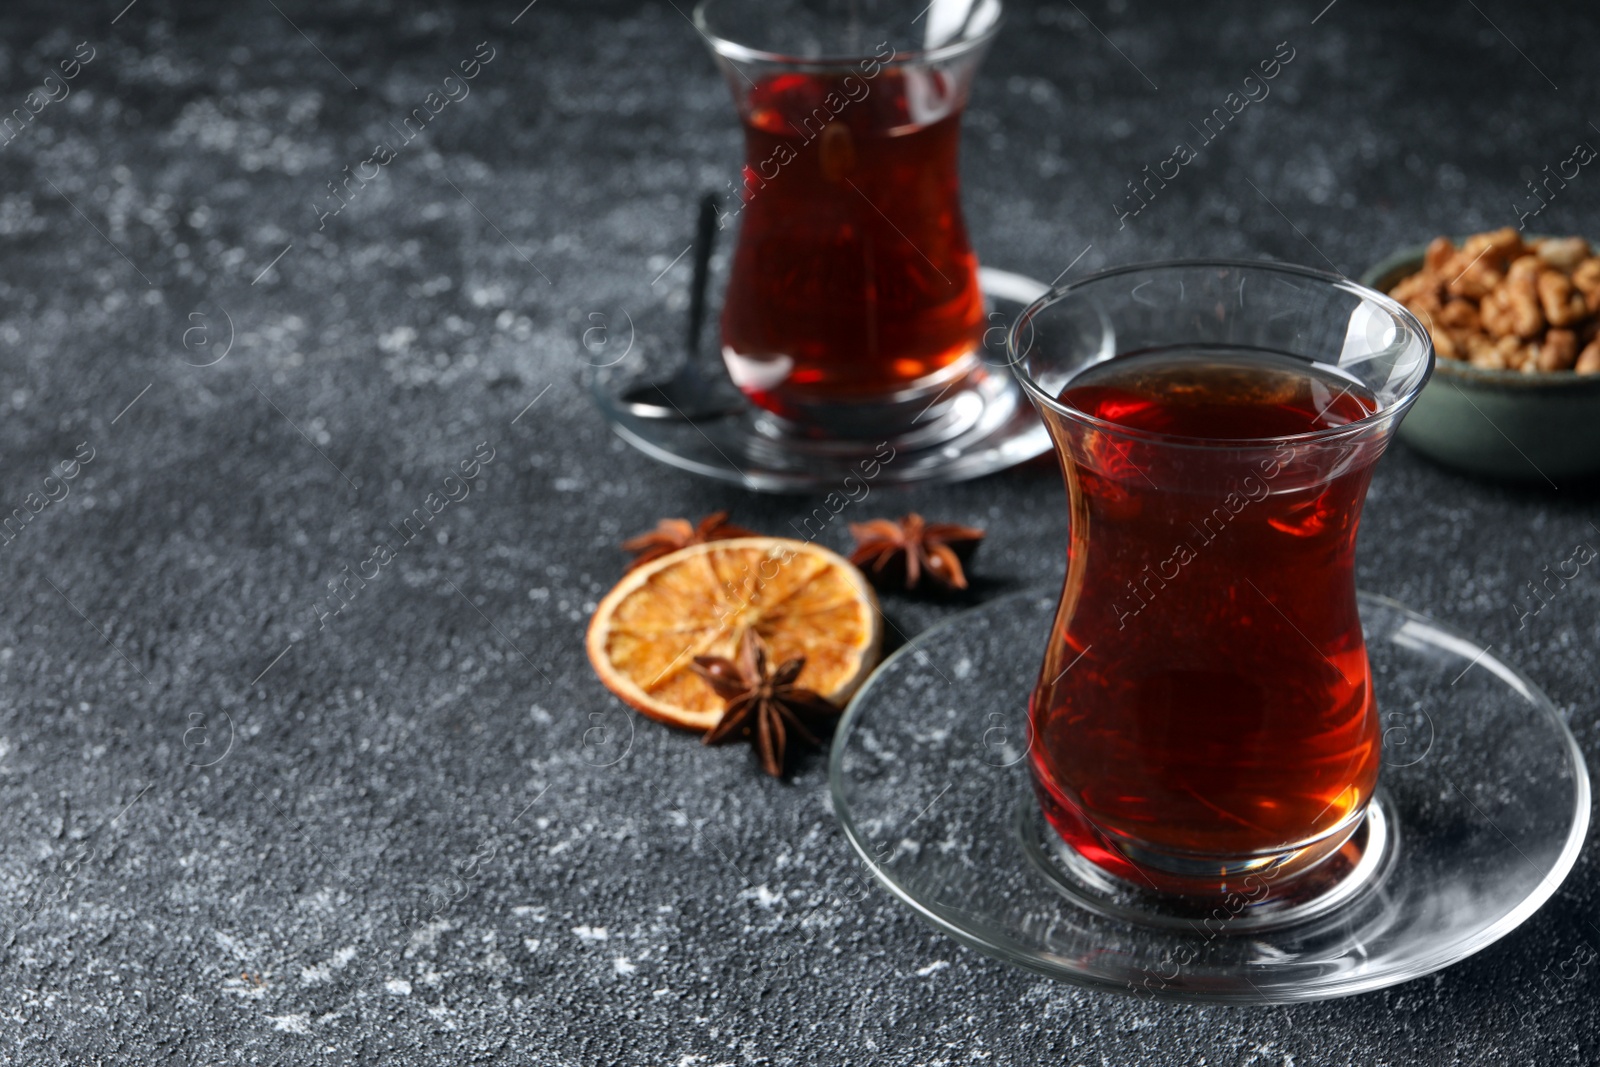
[1515,322]
[1501,303]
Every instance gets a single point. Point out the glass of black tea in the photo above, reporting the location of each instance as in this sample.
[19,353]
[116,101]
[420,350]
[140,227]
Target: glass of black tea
[853,308]
[1204,721]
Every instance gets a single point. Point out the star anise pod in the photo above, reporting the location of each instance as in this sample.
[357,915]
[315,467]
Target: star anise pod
[903,552]
[673,534]
[763,704]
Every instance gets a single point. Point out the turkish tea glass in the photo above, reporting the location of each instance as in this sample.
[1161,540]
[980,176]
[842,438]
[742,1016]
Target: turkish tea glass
[853,308]
[1203,722]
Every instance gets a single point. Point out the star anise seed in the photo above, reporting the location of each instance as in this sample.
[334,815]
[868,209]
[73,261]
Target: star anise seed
[673,534]
[903,552]
[762,704]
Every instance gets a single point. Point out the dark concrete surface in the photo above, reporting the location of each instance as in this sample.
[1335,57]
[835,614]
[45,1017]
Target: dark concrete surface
[238,831]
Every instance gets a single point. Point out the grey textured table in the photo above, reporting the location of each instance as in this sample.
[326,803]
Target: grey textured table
[242,828]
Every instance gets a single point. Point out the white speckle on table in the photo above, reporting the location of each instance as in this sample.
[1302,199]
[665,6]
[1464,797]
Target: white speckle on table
[532,943]
[231,945]
[323,972]
[291,1024]
[428,935]
[764,897]
[398,986]
[245,986]
[932,968]
[591,933]
[530,911]
[622,965]
[398,339]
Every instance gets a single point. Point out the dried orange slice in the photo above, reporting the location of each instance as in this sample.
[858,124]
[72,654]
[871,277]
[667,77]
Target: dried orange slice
[801,599]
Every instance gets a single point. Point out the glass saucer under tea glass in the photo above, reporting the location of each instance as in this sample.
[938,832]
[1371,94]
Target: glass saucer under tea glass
[984,429]
[1483,807]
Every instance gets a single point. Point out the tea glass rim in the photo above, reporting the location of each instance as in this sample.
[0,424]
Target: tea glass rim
[1386,413]
[743,53]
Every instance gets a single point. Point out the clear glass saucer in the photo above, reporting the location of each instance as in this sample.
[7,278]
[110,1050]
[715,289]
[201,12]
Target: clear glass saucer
[1482,808]
[988,429]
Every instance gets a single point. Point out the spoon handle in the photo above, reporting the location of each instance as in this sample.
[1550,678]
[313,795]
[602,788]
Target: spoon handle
[705,238]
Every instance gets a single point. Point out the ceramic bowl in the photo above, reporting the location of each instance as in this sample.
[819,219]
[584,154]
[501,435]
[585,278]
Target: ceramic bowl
[1539,427]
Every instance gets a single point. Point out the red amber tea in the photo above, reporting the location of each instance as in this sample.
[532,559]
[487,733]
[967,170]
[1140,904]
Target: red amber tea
[853,282]
[1210,695]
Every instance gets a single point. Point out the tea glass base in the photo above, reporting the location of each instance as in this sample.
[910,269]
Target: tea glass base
[982,429]
[1361,862]
[1482,807]
[1194,878]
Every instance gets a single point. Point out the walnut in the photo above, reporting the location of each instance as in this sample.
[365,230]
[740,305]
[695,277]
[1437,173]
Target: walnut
[1439,252]
[1445,345]
[1589,361]
[1558,351]
[1426,309]
[1563,253]
[1522,297]
[1502,245]
[1563,305]
[1482,352]
[1472,279]
[1496,315]
[1586,278]
[1517,353]
[1479,265]
[1421,286]
[1460,315]
[1501,304]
